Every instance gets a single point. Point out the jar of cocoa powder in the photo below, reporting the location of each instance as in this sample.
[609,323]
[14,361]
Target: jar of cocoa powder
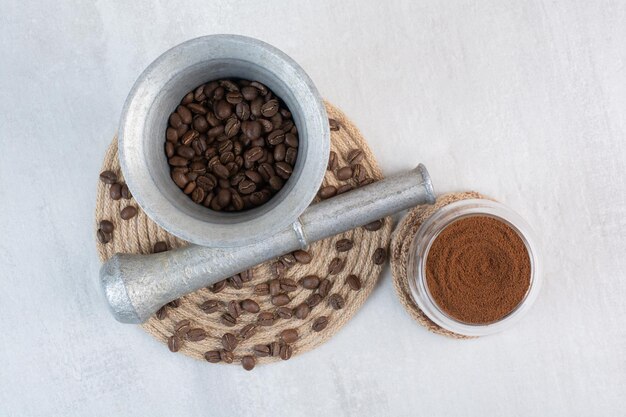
[473,267]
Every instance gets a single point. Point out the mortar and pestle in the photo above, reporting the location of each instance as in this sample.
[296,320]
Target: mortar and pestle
[223,244]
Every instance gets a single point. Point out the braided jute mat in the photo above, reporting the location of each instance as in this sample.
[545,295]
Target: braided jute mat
[140,234]
[399,254]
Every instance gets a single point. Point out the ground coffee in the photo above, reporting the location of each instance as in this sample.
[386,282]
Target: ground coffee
[478,270]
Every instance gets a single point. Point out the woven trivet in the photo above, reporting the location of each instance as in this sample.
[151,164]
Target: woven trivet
[399,253]
[139,235]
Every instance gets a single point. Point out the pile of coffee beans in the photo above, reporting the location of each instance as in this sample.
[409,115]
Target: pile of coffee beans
[231,144]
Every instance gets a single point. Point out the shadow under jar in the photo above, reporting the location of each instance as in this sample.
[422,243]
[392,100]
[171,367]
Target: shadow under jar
[231,144]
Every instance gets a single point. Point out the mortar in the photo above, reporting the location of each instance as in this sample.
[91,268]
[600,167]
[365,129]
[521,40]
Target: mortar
[224,244]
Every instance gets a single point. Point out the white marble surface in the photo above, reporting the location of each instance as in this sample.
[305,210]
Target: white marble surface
[521,100]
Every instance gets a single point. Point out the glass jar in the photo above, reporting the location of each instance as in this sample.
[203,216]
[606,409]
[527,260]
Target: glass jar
[426,235]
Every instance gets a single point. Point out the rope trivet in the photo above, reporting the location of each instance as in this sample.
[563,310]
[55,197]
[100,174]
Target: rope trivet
[204,331]
[399,252]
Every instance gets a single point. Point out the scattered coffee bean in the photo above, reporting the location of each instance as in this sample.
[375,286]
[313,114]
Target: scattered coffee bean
[196,335]
[374,226]
[218,286]
[266,319]
[313,300]
[250,306]
[288,285]
[161,313]
[275,348]
[159,247]
[174,303]
[343,245]
[211,306]
[333,124]
[103,237]
[235,281]
[182,327]
[262,289]
[128,212]
[336,266]
[284,312]
[261,350]
[229,341]
[379,256]
[344,173]
[212,356]
[228,320]
[310,282]
[288,260]
[327,192]
[344,188]
[174,343]
[353,282]
[285,352]
[355,156]
[302,256]
[106,226]
[234,309]
[227,356]
[248,362]
[320,323]
[289,335]
[359,173]
[274,287]
[336,301]
[278,268]
[115,192]
[325,287]
[332,161]
[247,331]
[246,276]
[108,177]
[280,300]
[302,311]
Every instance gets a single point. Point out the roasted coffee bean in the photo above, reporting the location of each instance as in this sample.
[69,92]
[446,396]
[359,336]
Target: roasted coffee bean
[332,161]
[327,192]
[336,266]
[266,125]
[222,109]
[284,312]
[246,187]
[184,113]
[266,171]
[206,182]
[379,256]
[290,156]
[228,320]
[344,188]
[236,201]
[211,306]
[302,311]
[355,156]
[248,362]
[310,282]
[291,140]
[234,309]
[325,287]
[333,124]
[178,161]
[336,301]
[234,97]
[285,352]
[261,350]
[185,151]
[353,282]
[174,343]
[320,323]
[227,356]
[270,108]
[262,289]
[246,276]
[159,246]
[373,226]
[275,348]
[115,192]
[174,303]
[242,111]
[103,237]
[108,177]
[198,194]
[218,286]
[313,300]
[220,171]
[106,226]
[280,300]
[266,319]
[274,287]
[289,335]
[126,195]
[235,282]
[288,285]
[247,331]
[250,306]
[359,173]
[279,152]
[249,93]
[344,173]
[229,341]
[200,124]
[161,313]
[196,335]
[189,187]
[180,178]
[169,149]
[283,170]
[212,356]
[276,137]
[182,327]
[302,256]
[171,135]
[189,137]
[288,260]
[276,183]
[128,212]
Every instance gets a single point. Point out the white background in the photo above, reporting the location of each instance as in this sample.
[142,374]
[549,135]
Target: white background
[522,100]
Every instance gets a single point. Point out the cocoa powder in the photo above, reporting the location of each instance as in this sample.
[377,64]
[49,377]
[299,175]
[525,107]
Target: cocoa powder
[478,270]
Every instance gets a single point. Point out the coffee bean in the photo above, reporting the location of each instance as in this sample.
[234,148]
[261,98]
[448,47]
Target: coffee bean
[373,226]
[228,320]
[278,268]
[276,183]
[310,282]
[359,173]
[196,335]
[333,124]
[275,348]
[302,256]
[247,331]
[289,335]
[169,149]
[355,156]
[266,125]
[279,152]
[182,327]
[174,303]
[227,356]
[218,286]
[284,312]
[234,309]
[248,362]
[336,301]
[184,113]
[320,323]
[344,173]
[250,306]
[262,289]
[103,237]
[266,171]
[212,356]
[126,195]
[266,319]
[159,246]
[288,260]
[174,343]
[336,266]
[189,187]
[200,124]
[327,192]
[270,108]
[261,350]
[283,170]
[171,135]
[178,161]
[198,194]
[280,300]
[128,212]
[108,177]
[106,226]
[353,282]
[290,156]
[274,287]
[325,287]
[313,300]
[115,192]
[285,352]
[332,161]
[180,179]
[288,285]
[246,187]
[161,313]
[229,341]
[211,306]
[220,171]
[291,140]
[344,188]
[302,311]
[276,137]
[379,256]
